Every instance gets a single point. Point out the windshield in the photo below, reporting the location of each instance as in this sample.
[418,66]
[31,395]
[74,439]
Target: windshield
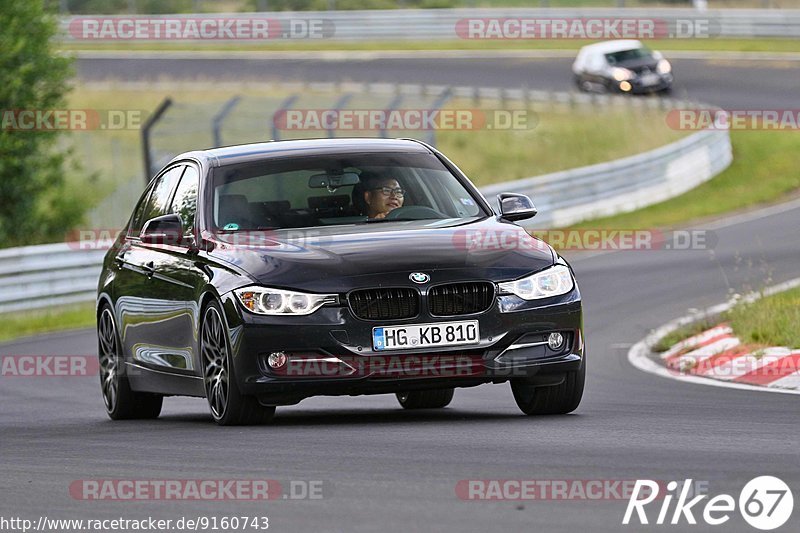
[628,55]
[334,190]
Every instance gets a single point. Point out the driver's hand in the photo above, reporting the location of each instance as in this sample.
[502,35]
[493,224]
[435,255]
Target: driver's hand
[381,215]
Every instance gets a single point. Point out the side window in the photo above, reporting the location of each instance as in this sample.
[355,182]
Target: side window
[185,201]
[137,220]
[158,203]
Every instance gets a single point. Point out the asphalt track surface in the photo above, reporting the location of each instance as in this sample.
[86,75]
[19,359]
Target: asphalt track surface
[385,469]
[729,83]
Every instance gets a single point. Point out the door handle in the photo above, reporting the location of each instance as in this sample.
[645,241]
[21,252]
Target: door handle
[149,269]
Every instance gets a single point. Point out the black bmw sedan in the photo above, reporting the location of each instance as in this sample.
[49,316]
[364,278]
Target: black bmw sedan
[262,274]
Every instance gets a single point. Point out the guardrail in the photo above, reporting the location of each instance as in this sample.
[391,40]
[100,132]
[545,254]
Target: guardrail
[444,24]
[33,277]
[623,185]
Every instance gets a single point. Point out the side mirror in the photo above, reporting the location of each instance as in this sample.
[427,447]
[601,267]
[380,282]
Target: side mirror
[515,207]
[166,229]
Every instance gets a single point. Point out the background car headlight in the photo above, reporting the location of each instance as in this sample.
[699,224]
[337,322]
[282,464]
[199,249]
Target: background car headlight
[551,282]
[663,67]
[621,74]
[267,301]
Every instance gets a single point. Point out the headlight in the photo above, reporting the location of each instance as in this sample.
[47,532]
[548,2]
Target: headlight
[621,74]
[551,282]
[266,301]
[663,67]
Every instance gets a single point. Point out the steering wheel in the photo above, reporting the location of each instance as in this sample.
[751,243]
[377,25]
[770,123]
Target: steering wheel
[414,212]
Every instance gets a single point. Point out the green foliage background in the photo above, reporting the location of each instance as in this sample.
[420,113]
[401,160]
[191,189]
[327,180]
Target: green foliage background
[35,204]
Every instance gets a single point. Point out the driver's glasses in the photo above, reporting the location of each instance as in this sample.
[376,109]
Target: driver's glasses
[398,192]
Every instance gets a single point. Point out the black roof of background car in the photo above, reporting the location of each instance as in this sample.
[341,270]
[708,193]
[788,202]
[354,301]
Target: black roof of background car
[243,153]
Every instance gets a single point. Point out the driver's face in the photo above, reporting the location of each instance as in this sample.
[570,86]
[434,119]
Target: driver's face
[378,203]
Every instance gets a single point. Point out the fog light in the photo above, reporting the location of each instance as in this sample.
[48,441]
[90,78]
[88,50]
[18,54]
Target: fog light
[555,341]
[276,360]
[625,86]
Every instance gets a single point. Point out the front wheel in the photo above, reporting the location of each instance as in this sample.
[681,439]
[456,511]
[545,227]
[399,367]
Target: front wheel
[122,403]
[550,400]
[228,406]
[425,399]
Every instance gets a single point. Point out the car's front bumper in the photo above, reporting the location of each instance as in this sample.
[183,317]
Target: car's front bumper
[638,87]
[330,352]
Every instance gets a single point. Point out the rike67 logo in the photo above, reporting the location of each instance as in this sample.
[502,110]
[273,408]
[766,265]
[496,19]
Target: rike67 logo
[765,502]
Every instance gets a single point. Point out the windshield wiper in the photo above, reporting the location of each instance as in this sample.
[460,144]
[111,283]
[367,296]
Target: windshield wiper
[399,219]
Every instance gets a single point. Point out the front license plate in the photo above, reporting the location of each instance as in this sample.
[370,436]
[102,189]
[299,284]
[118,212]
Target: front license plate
[425,335]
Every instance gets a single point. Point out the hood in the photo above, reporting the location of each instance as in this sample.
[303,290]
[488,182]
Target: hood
[342,258]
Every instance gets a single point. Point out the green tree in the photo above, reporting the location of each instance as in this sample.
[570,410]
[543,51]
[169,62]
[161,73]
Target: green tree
[35,205]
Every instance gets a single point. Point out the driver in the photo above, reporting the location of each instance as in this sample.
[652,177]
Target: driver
[380,195]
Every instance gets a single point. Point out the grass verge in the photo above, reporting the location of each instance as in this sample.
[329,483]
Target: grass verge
[768,321]
[33,322]
[764,170]
[684,332]
[771,320]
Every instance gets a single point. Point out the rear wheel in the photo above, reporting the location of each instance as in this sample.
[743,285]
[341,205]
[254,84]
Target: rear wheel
[425,399]
[551,400]
[121,402]
[228,406]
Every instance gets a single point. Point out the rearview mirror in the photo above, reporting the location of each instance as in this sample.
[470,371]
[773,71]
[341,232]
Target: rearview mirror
[515,206]
[332,181]
[166,229]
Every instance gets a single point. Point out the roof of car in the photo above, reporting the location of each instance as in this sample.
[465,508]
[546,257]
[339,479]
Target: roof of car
[250,152]
[609,47]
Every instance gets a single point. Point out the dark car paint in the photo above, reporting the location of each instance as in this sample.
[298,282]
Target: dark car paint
[157,292]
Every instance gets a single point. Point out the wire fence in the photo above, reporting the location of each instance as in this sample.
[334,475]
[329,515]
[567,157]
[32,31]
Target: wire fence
[245,118]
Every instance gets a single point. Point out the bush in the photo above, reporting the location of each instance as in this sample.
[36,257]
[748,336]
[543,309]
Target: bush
[35,205]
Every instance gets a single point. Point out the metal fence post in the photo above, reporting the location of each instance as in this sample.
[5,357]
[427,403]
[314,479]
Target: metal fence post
[286,104]
[438,103]
[151,121]
[396,101]
[336,107]
[216,123]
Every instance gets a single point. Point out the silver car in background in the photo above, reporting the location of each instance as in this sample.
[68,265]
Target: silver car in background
[622,66]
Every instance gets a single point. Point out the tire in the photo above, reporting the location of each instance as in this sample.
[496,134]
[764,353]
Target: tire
[120,401]
[552,400]
[425,399]
[227,405]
